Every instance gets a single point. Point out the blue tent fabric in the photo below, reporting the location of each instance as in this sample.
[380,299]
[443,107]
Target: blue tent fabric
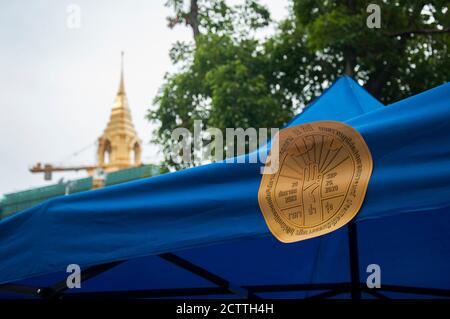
[210,214]
[344,90]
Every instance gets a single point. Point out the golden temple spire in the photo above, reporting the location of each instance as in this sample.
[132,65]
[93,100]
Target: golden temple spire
[122,84]
[119,146]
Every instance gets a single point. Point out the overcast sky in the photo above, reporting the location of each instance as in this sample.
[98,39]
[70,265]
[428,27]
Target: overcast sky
[58,84]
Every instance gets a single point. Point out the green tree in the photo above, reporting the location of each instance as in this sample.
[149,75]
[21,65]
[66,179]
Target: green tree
[321,41]
[222,78]
[228,77]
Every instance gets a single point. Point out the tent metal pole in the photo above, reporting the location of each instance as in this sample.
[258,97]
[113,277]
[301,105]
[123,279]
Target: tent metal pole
[435,292]
[297,287]
[205,274]
[376,294]
[354,260]
[56,290]
[19,289]
[327,294]
[156,293]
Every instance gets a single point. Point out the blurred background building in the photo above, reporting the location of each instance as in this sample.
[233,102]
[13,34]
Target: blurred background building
[119,151]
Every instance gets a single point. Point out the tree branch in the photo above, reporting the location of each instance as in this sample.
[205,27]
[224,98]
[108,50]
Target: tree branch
[350,58]
[418,31]
[192,18]
[379,79]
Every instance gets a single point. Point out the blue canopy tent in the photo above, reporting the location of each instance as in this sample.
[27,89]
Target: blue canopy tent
[200,232]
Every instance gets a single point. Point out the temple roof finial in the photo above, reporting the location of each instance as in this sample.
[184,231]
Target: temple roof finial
[122,84]
[119,138]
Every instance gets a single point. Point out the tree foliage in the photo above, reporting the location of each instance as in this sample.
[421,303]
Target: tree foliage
[321,41]
[229,77]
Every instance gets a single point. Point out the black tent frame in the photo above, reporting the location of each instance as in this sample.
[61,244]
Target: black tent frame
[224,287]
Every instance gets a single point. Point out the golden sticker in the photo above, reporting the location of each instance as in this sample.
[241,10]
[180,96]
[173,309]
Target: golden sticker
[320,181]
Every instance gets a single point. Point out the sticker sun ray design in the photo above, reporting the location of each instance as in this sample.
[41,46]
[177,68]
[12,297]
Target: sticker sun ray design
[320,186]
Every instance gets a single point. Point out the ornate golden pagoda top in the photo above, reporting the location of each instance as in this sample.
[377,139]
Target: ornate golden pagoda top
[119,147]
